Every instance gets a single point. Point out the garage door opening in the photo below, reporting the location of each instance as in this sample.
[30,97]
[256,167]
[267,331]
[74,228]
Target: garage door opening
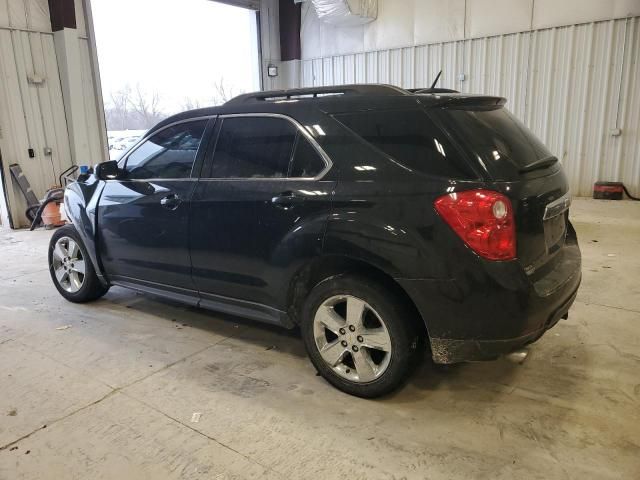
[161,57]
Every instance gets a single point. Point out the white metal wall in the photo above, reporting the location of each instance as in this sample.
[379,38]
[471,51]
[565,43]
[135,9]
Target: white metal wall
[573,86]
[94,110]
[32,114]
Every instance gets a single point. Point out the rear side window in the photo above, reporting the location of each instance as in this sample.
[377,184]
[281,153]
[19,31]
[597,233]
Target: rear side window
[254,147]
[169,153]
[410,138]
[495,136]
[306,160]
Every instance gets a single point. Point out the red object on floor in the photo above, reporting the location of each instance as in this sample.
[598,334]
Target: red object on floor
[608,190]
[51,215]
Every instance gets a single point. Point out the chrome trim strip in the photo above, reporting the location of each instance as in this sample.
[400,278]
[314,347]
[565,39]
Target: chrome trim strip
[557,207]
[151,180]
[325,157]
[261,179]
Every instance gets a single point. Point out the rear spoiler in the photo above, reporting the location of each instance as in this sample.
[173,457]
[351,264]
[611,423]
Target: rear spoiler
[461,100]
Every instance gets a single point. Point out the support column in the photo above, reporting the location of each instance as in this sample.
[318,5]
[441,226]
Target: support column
[65,39]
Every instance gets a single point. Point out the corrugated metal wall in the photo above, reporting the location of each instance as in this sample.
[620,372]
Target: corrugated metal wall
[573,86]
[32,114]
[94,112]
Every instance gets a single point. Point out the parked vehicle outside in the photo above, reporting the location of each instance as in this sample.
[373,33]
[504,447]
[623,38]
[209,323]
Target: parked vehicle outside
[378,220]
[121,140]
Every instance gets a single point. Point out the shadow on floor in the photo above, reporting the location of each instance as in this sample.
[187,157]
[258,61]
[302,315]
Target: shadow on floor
[486,380]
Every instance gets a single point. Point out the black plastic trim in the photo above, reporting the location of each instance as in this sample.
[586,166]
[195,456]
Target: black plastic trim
[218,303]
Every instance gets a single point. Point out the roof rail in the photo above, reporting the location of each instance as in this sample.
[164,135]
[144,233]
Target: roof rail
[315,92]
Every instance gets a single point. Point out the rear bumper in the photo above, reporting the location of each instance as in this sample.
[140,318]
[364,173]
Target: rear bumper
[494,308]
[446,350]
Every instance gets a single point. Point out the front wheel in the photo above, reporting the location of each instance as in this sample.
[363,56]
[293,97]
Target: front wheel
[359,336]
[71,269]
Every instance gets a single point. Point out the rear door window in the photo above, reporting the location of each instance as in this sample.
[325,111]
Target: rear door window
[254,147]
[410,138]
[307,162]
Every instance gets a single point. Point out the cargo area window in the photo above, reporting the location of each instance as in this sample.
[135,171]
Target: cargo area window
[410,138]
[504,145]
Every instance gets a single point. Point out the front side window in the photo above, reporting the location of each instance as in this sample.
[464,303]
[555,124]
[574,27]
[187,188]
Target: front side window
[254,147]
[169,153]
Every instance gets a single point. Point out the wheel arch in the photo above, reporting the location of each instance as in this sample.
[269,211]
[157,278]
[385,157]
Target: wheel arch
[328,266]
[81,204]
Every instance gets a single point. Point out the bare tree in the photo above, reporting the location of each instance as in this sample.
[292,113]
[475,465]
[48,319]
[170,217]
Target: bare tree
[146,107]
[137,109]
[190,103]
[117,110]
[223,93]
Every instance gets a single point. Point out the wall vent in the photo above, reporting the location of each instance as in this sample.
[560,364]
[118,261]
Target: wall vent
[346,13]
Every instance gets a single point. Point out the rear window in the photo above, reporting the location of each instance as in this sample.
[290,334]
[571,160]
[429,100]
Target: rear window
[495,136]
[410,138]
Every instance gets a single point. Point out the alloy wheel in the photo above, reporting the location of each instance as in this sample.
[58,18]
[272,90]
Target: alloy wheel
[352,338]
[68,264]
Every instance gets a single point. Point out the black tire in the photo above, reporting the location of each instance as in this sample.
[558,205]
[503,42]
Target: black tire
[91,288]
[392,311]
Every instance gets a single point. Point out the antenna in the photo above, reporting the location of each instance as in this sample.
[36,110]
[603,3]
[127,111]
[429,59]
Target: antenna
[433,85]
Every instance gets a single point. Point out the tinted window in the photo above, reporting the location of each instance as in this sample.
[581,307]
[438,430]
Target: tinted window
[254,147]
[496,136]
[410,138]
[169,153]
[306,160]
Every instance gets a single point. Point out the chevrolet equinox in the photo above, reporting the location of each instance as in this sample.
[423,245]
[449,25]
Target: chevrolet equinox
[376,219]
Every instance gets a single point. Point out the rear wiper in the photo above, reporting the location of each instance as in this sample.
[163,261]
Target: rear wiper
[538,164]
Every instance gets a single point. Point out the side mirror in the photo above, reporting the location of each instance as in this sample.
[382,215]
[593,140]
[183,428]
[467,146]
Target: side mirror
[107,170]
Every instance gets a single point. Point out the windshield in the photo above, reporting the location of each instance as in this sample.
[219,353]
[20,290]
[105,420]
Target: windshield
[497,139]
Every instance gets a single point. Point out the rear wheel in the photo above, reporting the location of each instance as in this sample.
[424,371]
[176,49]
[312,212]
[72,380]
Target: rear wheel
[71,269]
[358,335]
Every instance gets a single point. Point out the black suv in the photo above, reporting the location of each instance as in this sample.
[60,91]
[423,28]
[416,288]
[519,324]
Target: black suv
[371,216]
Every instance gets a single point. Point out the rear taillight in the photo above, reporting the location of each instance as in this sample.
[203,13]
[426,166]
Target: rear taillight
[483,219]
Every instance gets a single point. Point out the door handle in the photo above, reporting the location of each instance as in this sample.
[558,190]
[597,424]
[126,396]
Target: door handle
[171,201]
[286,200]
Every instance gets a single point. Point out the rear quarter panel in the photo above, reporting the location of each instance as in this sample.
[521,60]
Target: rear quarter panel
[393,226]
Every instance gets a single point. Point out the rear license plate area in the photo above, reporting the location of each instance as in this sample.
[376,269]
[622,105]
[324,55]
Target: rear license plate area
[555,229]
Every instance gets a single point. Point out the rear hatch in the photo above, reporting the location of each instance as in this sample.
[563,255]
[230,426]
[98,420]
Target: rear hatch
[513,161]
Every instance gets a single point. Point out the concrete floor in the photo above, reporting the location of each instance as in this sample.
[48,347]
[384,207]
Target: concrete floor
[113,395]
